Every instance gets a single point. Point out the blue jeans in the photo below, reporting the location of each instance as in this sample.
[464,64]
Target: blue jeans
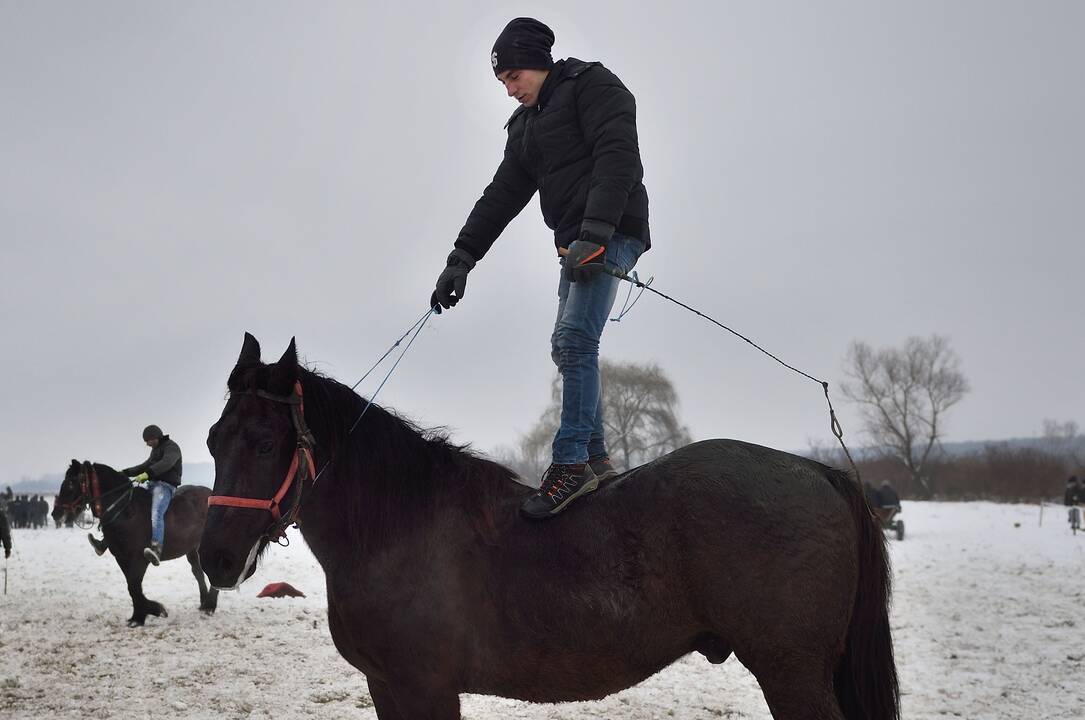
[161,494]
[583,309]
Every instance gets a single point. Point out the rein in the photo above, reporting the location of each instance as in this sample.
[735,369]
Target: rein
[834,423]
[300,465]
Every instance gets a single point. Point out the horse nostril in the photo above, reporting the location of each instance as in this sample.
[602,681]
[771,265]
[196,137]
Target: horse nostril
[218,565]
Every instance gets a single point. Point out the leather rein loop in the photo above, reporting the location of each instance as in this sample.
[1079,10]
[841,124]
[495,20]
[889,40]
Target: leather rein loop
[301,464]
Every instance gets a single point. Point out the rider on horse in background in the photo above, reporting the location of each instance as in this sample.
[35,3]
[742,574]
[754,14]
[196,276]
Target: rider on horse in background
[162,473]
[574,140]
[888,495]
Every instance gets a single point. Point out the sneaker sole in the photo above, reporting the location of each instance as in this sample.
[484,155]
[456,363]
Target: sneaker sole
[99,551]
[588,487]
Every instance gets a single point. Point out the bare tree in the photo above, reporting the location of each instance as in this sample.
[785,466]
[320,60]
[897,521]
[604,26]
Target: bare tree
[904,394]
[532,453]
[640,413]
[640,420]
[825,452]
[1062,440]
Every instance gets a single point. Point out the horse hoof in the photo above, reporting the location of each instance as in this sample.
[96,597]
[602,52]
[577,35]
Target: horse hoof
[207,610]
[135,623]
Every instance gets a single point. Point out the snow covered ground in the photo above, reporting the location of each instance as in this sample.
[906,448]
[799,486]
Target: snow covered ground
[989,622]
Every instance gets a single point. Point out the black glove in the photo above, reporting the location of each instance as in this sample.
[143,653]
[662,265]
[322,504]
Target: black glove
[585,258]
[454,278]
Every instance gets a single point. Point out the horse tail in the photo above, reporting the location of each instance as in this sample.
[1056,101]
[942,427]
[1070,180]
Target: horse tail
[865,679]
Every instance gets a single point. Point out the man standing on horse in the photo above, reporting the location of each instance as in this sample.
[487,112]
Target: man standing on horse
[574,139]
[162,473]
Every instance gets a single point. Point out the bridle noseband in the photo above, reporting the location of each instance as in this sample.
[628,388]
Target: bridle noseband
[300,465]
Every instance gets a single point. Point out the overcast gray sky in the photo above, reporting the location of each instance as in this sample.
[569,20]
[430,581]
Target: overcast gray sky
[174,174]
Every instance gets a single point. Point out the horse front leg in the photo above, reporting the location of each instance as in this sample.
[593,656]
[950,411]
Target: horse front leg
[413,702]
[383,702]
[208,597]
[141,605]
[134,571]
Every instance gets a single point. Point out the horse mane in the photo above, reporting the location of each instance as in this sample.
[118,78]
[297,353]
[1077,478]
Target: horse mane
[110,472]
[389,476]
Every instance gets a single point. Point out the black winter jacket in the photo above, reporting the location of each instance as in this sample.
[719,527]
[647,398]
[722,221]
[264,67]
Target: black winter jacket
[578,147]
[163,464]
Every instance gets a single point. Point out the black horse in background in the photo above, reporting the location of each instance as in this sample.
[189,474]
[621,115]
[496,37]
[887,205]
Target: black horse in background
[124,511]
[437,586]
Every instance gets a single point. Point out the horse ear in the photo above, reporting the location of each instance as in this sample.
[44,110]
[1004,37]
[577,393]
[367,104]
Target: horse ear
[250,351]
[290,357]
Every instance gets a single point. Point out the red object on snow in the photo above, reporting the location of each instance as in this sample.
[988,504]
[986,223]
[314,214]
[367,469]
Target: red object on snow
[280,589]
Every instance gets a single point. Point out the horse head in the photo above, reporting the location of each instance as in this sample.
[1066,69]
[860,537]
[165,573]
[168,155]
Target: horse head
[72,496]
[262,452]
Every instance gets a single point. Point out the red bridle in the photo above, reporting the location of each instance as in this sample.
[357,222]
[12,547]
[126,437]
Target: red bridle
[300,464]
[89,492]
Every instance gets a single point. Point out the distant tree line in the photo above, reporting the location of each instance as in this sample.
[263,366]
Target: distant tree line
[998,472]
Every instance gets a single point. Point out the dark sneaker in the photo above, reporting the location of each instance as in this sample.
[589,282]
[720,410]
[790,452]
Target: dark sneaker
[561,484]
[98,545]
[602,468]
[153,554]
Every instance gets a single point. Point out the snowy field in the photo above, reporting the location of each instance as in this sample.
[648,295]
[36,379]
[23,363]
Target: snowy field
[988,618]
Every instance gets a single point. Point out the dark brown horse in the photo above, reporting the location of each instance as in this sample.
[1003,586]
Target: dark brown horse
[124,511]
[437,586]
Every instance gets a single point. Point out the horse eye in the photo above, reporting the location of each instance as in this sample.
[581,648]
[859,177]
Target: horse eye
[265,447]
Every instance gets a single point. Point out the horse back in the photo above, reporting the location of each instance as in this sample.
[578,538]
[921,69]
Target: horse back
[718,529]
[189,504]
[740,493]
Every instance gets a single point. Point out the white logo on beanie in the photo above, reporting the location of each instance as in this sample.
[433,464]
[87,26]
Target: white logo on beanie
[493,58]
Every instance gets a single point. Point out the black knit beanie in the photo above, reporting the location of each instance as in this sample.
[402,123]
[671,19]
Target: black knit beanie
[524,44]
[152,431]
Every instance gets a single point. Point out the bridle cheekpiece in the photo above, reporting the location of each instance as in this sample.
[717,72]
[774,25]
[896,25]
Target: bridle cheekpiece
[300,465]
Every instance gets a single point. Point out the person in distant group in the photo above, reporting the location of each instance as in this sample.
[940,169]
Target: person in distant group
[1075,492]
[5,533]
[888,495]
[162,473]
[1074,496]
